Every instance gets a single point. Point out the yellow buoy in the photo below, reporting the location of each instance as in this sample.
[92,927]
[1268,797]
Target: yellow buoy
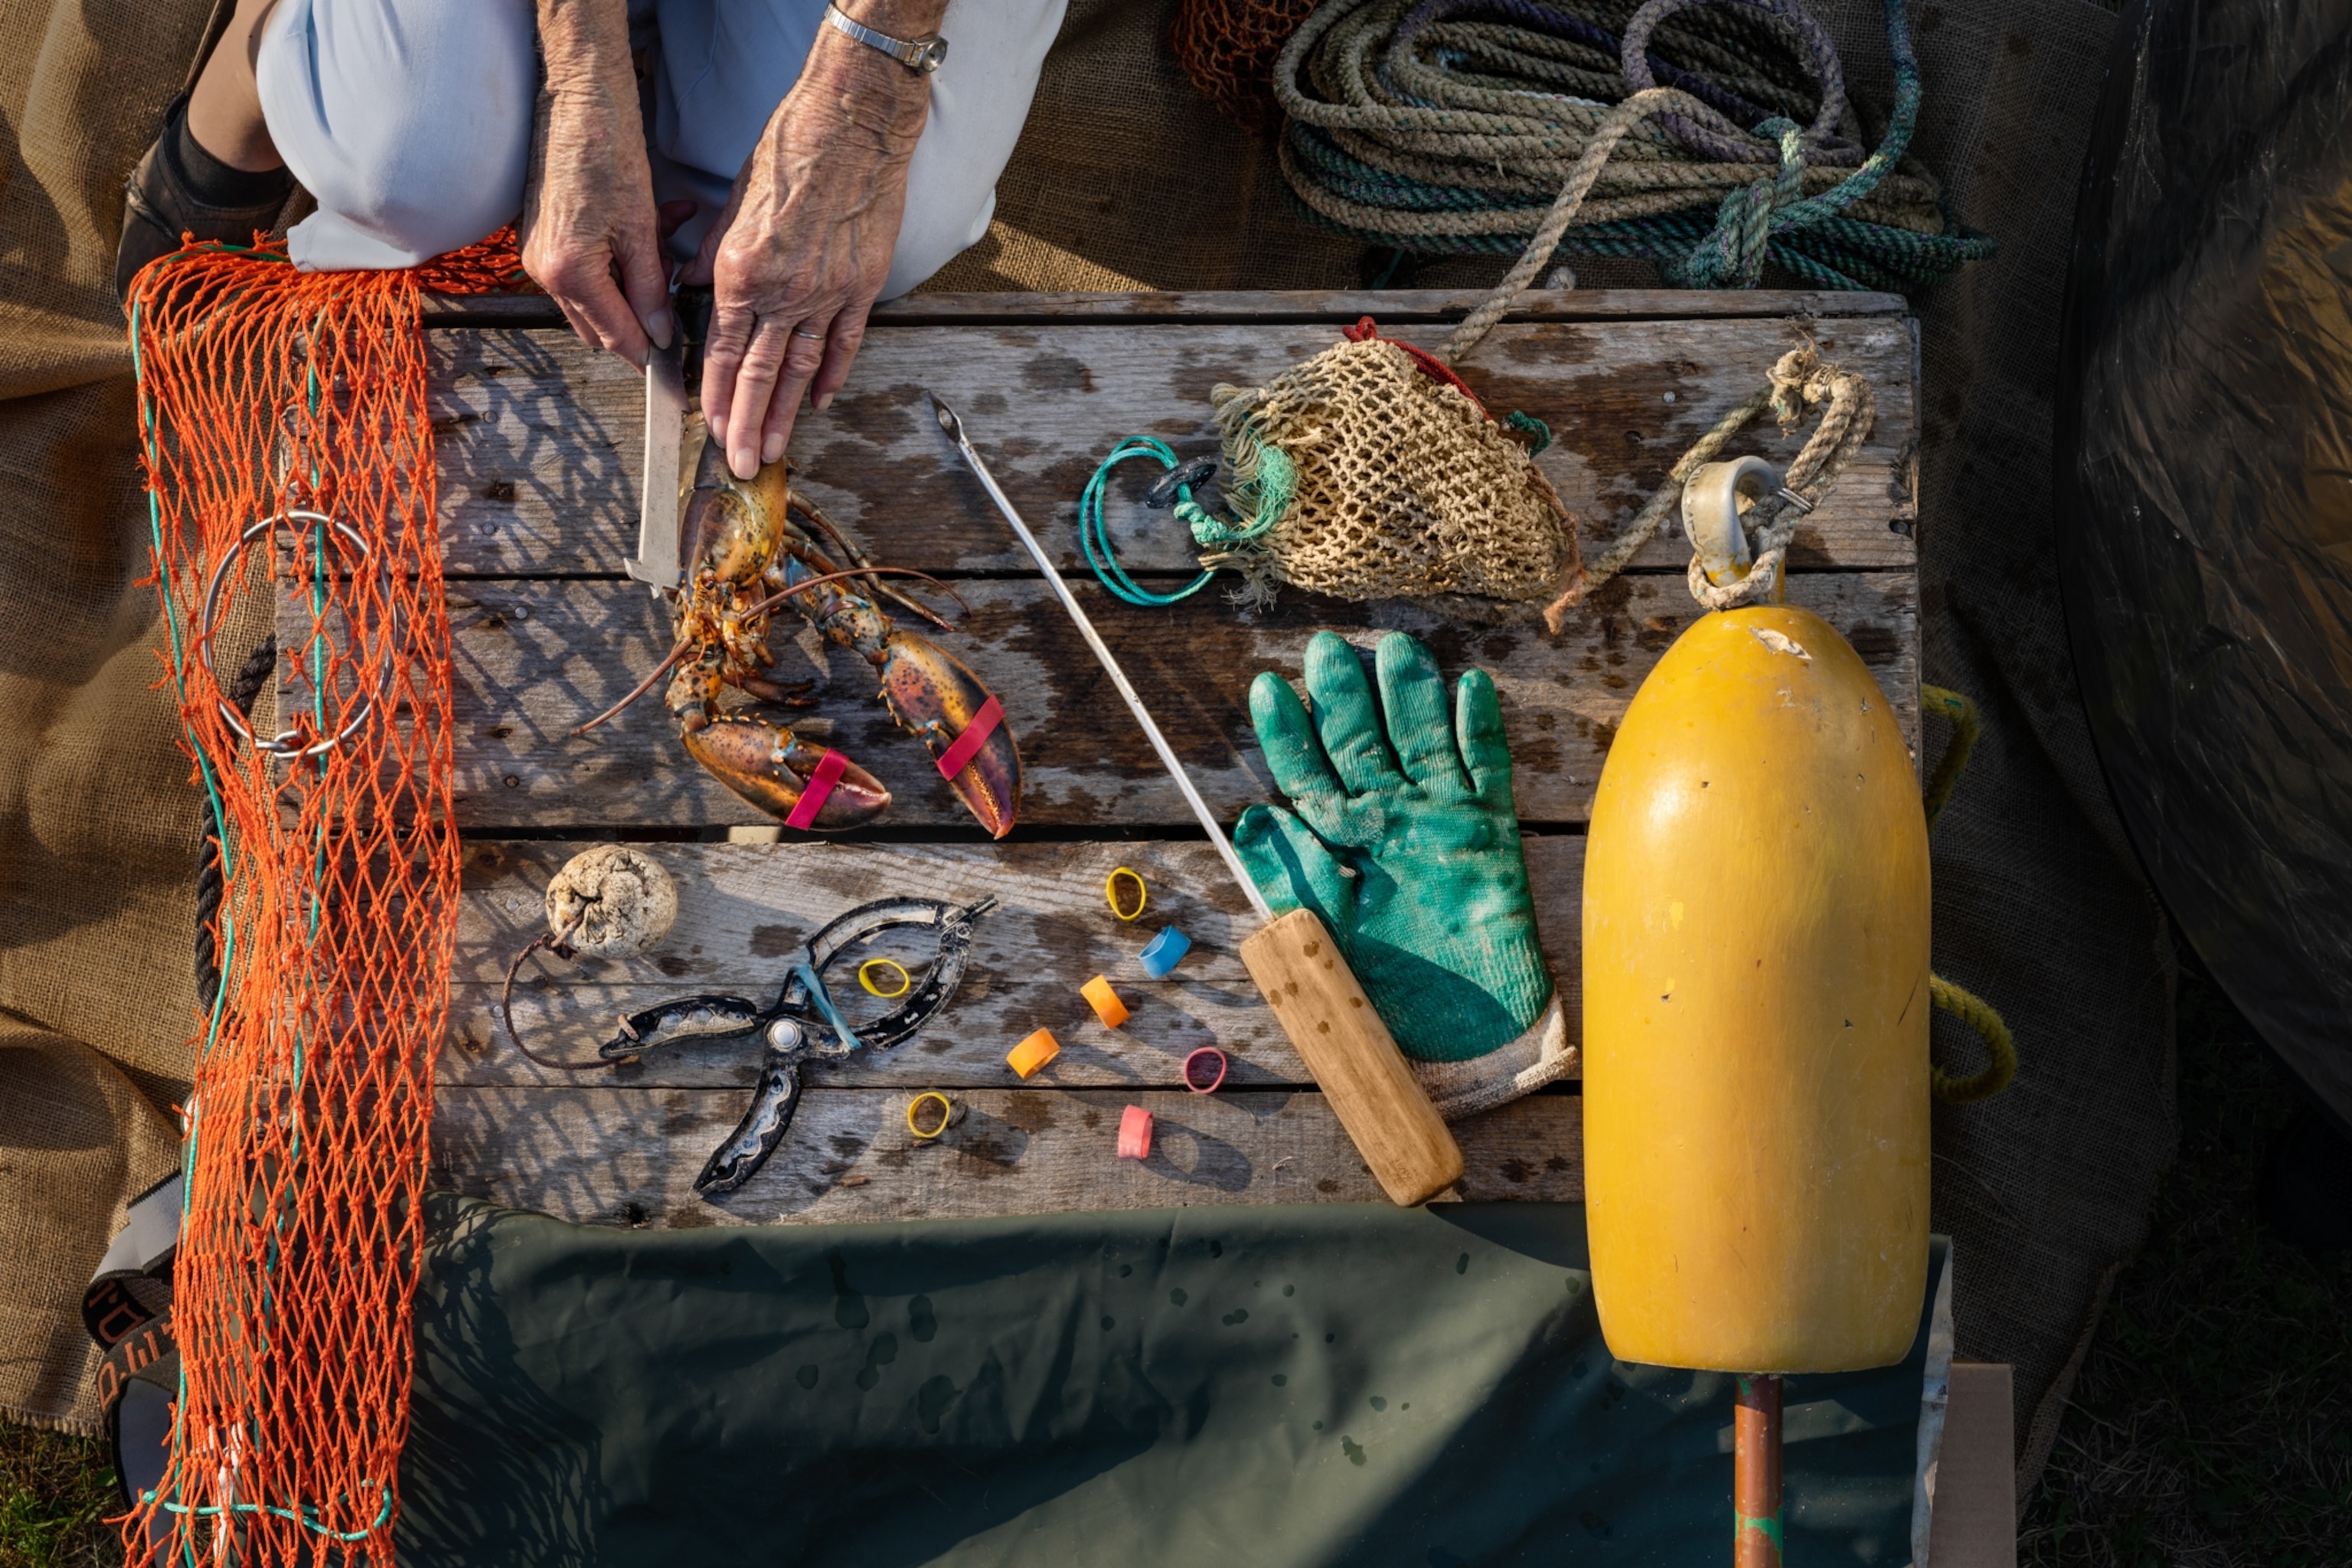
[1755,1010]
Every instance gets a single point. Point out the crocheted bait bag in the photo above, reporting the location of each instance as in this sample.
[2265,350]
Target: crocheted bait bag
[1405,486]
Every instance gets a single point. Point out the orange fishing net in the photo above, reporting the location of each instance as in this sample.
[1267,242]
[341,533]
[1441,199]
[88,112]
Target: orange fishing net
[1228,46]
[287,451]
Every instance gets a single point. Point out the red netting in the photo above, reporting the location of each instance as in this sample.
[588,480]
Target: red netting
[269,393]
[1228,46]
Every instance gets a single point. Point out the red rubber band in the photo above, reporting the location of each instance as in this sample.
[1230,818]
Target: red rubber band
[1135,1133]
[1213,1083]
[829,769]
[975,735]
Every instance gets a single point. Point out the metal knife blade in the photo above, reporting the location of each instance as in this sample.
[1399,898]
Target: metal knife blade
[657,563]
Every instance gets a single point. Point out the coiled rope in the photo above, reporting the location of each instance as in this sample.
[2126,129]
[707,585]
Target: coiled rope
[1435,126]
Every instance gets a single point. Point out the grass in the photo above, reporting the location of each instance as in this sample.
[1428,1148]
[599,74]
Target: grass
[2211,1426]
[2212,1423]
[55,1491]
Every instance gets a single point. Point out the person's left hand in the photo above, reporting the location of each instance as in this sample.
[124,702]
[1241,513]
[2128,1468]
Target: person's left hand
[804,247]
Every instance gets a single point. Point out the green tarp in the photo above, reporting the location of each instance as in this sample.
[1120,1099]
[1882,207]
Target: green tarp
[1320,1385]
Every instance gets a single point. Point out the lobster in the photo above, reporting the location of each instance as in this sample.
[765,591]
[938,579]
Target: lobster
[753,545]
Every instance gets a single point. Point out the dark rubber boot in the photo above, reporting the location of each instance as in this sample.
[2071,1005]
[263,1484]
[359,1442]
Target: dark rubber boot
[166,199]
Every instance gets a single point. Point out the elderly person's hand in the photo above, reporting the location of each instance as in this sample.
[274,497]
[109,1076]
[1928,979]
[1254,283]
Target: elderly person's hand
[804,247]
[588,231]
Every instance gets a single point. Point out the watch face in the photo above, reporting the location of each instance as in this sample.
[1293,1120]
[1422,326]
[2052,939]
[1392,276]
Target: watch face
[934,55]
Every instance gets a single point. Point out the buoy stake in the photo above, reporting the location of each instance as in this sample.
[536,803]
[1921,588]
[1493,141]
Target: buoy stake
[1756,1473]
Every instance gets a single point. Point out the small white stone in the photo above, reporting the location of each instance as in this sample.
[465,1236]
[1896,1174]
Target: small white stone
[1670,397]
[613,900]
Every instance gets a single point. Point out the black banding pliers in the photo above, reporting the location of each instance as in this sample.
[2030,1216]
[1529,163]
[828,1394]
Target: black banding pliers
[803,1023]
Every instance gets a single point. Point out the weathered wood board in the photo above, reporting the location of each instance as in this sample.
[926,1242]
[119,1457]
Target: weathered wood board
[1261,306]
[532,659]
[540,446]
[622,1156]
[541,440]
[742,907]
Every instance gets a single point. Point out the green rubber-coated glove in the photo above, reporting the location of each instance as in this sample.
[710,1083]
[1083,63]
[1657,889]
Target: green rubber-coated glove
[1407,846]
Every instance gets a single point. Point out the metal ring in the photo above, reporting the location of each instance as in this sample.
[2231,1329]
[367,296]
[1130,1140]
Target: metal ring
[281,744]
[813,337]
[905,979]
[947,1115]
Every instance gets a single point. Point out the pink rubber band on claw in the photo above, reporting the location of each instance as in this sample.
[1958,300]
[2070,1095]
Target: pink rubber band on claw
[827,774]
[975,735]
[1211,1087]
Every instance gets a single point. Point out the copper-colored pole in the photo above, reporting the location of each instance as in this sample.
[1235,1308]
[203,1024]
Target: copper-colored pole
[1756,1473]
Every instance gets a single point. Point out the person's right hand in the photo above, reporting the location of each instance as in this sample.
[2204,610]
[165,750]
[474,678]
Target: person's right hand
[589,234]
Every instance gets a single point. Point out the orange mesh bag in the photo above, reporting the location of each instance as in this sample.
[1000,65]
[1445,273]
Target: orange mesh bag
[1228,46]
[283,417]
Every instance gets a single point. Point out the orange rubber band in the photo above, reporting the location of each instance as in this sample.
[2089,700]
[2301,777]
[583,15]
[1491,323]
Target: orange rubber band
[1104,1001]
[1033,1053]
[1110,891]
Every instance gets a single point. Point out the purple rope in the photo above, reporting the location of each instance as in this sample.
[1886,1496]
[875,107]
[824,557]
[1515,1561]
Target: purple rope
[1558,24]
[1822,141]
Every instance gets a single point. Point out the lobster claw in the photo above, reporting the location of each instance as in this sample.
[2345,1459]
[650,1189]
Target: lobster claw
[769,766]
[929,691]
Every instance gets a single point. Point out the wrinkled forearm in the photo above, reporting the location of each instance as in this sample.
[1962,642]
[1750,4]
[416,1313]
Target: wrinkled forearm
[853,98]
[585,43]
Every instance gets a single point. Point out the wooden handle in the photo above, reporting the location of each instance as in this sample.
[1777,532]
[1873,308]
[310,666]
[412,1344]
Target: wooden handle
[1298,970]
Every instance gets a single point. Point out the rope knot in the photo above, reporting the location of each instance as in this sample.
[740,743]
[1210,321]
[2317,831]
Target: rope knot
[1797,380]
[1732,255]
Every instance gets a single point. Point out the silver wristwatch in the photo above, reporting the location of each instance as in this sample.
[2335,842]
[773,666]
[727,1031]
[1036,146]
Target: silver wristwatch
[924,55]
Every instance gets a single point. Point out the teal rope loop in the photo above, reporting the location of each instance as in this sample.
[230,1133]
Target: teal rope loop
[1268,489]
[1732,257]
[302,1516]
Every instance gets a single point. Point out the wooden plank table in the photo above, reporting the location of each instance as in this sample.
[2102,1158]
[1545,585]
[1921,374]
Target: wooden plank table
[540,445]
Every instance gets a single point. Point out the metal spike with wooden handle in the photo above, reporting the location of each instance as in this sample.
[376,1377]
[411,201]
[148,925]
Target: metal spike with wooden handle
[1296,964]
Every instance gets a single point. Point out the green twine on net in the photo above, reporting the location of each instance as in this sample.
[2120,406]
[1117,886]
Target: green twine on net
[1265,480]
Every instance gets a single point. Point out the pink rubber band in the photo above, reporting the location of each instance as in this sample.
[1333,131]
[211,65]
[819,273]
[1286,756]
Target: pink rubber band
[975,735]
[1135,1133]
[1196,1055]
[829,769]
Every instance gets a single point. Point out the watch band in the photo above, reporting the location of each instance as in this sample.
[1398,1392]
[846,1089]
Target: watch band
[923,55]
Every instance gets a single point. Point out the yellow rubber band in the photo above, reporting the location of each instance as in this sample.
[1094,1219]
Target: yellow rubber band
[947,1114]
[905,979]
[1110,891]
